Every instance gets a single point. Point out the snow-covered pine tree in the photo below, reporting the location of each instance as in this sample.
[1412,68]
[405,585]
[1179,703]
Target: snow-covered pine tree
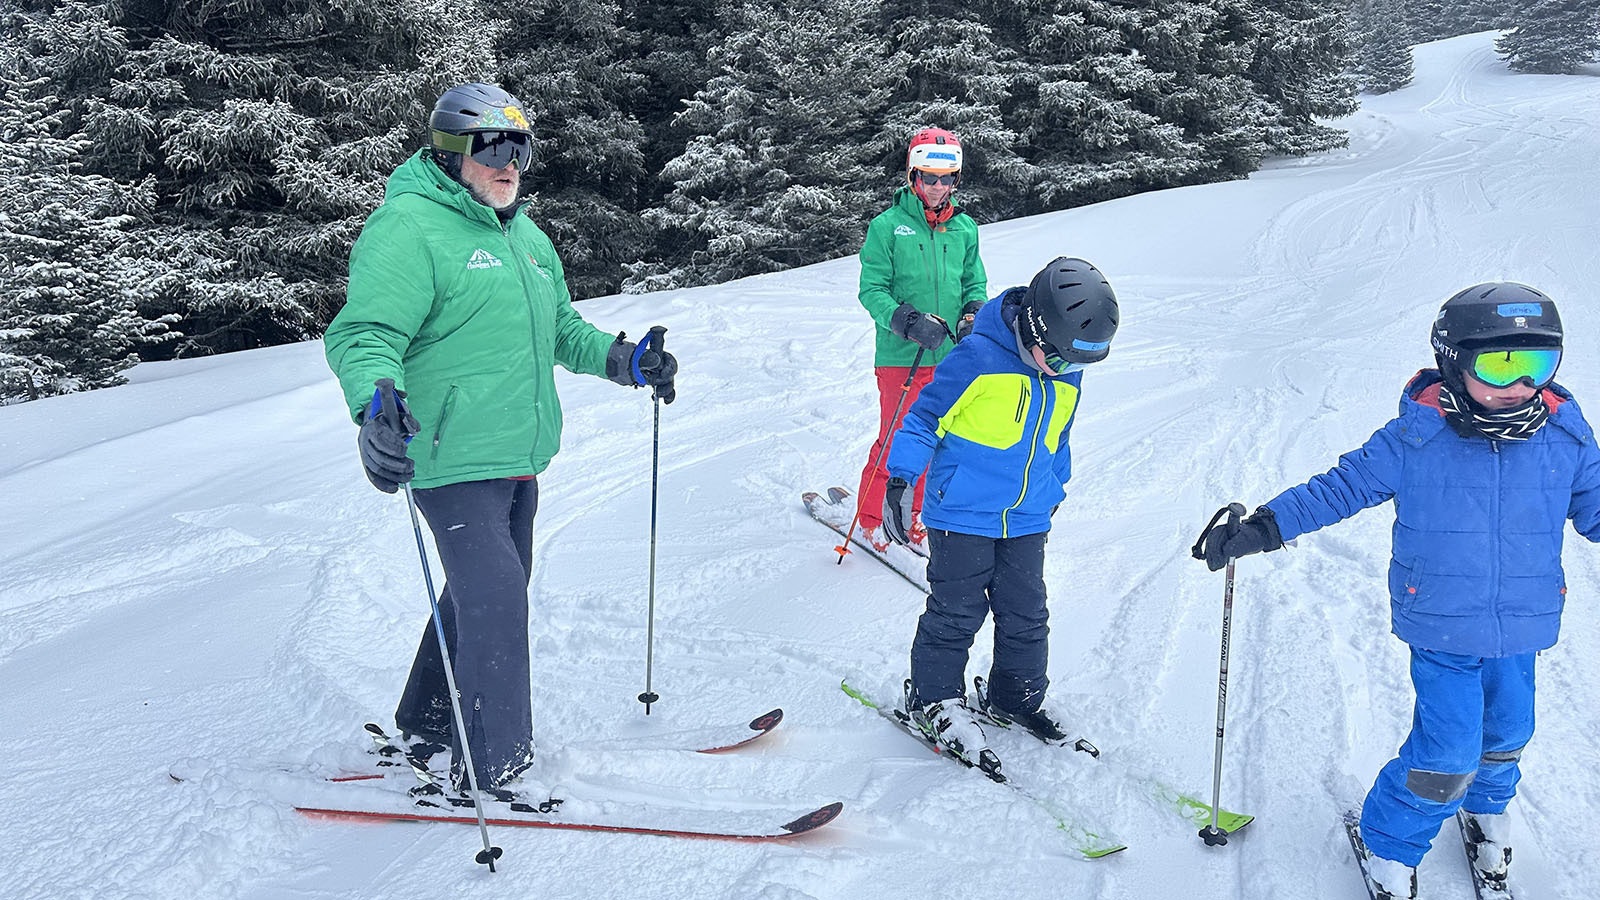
[1485,15]
[566,61]
[780,169]
[1201,51]
[1383,60]
[946,68]
[1430,20]
[670,45]
[1302,55]
[268,130]
[70,287]
[1552,36]
[1084,107]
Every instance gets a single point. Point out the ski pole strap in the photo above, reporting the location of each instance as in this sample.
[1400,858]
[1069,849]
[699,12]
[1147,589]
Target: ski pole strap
[655,341]
[1233,511]
[387,405]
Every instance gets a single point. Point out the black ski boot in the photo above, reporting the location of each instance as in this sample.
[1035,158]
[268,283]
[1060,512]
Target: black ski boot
[1038,723]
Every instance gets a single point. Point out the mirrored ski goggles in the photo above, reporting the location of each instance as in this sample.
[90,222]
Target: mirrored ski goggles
[498,149]
[1503,368]
[1055,363]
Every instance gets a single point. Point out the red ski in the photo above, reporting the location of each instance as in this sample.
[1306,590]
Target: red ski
[724,825]
[376,797]
[710,739]
[392,751]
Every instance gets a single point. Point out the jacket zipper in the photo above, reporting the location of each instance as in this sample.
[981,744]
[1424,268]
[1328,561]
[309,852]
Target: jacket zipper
[1027,468]
[533,315]
[1494,561]
[930,265]
[944,266]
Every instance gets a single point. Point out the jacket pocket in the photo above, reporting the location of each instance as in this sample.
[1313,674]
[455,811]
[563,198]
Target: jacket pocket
[941,479]
[1404,584]
[444,420]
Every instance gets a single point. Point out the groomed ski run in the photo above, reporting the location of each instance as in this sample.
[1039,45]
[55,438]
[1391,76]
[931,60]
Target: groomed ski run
[195,567]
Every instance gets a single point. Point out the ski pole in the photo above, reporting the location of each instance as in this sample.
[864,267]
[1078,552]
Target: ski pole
[905,391]
[656,337]
[490,852]
[1211,834]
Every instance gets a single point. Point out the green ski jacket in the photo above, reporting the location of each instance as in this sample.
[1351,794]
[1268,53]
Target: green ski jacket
[935,268]
[469,316]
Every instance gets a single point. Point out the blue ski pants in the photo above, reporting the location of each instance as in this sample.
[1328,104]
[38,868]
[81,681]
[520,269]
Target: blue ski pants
[1472,719]
[970,576]
[484,532]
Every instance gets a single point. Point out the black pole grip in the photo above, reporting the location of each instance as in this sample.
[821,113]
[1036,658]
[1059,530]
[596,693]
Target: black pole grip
[1234,511]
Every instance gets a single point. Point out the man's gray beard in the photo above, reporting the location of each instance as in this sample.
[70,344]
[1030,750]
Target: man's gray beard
[478,196]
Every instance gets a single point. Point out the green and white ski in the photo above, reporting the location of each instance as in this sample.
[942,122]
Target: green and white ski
[1086,842]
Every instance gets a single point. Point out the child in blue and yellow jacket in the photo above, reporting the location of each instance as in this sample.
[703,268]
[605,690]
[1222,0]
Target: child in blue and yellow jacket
[991,432]
[1486,462]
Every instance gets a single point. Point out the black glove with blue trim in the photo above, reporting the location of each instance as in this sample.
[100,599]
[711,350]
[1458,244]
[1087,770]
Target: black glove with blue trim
[645,364]
[387,426]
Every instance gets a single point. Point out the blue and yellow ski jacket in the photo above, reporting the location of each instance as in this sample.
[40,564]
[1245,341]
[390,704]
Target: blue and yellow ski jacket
[991,431]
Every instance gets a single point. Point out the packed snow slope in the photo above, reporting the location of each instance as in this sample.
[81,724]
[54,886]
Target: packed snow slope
[197,575]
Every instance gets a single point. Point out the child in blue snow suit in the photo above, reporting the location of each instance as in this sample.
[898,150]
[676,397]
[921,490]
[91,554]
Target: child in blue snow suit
[1487,460]
[991,431]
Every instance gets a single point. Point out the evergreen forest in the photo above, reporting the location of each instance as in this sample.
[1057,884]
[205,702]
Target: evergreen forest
[182,178]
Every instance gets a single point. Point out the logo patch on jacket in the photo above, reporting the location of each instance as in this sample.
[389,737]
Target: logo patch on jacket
[904,230]
[483,259]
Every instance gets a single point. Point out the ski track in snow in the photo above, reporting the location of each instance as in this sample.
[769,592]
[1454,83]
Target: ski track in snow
[198,576]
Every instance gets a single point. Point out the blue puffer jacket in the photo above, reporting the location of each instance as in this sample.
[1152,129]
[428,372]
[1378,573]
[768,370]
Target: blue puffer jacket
[995,430]
[1478,523]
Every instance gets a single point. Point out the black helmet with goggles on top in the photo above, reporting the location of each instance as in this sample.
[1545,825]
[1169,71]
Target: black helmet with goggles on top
[1501,333]
[484,122]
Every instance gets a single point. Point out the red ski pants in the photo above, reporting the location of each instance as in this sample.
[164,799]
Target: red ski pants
[891,379]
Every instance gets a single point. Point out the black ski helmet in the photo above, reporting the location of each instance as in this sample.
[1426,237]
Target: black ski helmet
[1499,314]
[1070,307]
[469,108]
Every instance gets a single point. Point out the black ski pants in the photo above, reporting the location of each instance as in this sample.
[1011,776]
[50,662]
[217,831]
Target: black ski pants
[970,576]
[484,532]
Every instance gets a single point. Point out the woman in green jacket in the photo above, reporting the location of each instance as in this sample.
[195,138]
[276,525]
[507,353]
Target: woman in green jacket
[456,314]
[920,270]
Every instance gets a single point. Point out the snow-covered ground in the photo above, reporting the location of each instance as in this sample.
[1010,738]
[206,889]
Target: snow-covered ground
[196,573]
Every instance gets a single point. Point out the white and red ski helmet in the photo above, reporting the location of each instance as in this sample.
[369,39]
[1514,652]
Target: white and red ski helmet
[934,150]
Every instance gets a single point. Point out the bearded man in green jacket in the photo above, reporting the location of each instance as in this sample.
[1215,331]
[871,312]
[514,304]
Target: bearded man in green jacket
[456,314]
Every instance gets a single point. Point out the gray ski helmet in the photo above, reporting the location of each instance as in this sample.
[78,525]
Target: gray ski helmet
[1070,308]
[1494,314]
[470,108]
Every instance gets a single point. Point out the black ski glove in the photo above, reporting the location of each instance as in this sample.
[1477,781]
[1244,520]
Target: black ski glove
[912,324]
[386,427]
[1239,537]
[897,499]
[645,364]
[968,314]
